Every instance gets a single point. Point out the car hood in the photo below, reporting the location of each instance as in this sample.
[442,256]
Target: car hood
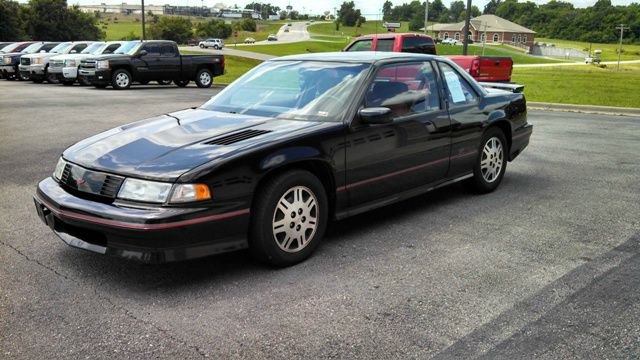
[71,57]
[167,146]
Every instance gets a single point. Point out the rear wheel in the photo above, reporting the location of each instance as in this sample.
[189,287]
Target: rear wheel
[491,162]
[288,218]
[204,78]
[121,79]
[181,83]
[201,46]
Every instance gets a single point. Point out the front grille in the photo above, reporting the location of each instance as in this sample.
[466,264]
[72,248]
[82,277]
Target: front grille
[88,64]
[56,63]
[237,137]
[25,61]
[94,184]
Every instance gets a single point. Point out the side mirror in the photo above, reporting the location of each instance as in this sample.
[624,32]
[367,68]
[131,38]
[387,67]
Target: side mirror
[376,115]
[142,53]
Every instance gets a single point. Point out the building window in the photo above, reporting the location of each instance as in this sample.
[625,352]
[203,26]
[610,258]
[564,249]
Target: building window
[525,39]
[496,38]
[520,38]
[470,35]
[513,38]
[457,36]
[446,35]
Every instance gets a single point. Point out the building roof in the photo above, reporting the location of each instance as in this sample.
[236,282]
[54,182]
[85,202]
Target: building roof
[493,23]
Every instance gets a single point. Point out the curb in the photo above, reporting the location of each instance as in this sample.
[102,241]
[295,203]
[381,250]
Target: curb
[587,109]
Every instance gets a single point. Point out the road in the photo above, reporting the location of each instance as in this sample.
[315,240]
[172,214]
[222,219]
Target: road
[545,267]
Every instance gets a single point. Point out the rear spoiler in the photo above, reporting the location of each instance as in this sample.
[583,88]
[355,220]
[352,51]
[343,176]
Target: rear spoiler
[511,87]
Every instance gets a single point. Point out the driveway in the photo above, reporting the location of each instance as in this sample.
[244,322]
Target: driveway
[545,267]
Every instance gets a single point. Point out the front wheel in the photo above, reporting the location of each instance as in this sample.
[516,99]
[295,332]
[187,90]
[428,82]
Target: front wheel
[121,79]
[491,162]
[204,78]
[201,46]
[288,218]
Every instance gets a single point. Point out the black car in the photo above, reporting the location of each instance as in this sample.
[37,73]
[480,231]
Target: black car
[155,60]
[267,162]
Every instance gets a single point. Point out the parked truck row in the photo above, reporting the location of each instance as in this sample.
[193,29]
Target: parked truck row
[118,64]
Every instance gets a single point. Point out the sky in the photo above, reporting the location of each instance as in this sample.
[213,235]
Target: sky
[370,9]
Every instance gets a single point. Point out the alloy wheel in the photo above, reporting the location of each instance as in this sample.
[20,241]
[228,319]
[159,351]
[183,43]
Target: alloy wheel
[205,78]
[122,80]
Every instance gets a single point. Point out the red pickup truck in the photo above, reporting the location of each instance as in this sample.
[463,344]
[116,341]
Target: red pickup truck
[482,68]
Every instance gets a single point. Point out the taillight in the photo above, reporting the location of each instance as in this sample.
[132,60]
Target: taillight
[475,68]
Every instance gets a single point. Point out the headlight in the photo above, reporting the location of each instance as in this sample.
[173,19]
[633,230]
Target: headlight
[37,61]
[69,63]
[7,60]
[57,173]
[190,192]
[143,190]
[102,64]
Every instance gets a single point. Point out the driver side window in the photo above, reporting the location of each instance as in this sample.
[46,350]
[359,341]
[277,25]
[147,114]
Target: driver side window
[405,88]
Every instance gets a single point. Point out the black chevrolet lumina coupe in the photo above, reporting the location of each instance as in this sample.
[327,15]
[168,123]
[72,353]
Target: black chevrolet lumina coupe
[267,162]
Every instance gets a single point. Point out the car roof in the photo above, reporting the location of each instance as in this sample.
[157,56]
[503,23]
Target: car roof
[357,56]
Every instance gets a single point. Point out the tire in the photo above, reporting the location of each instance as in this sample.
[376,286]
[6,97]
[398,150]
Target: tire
[121,79]
[164,82]
[204,78]
[216,47]
[201,46]
[285,245]
[100,86]
[491,162]
[83,81]
[181,83]
[9,78]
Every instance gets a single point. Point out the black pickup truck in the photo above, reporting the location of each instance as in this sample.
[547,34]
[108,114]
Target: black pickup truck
[155,60]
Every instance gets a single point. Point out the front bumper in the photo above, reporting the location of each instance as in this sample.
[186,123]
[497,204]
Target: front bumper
[8,69]
[96,76]
[70,73]
[150,234]
[32,71]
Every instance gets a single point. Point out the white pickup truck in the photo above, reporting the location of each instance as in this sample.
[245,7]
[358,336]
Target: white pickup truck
[36,66]
[65,67]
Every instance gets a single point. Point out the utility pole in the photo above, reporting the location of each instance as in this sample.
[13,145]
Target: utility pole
[426,17]
[143,30]
[484,38]
[467,23]
[622,29]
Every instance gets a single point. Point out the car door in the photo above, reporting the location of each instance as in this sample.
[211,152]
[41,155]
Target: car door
[411,151]
[169,62]
[463,102]
[149,65]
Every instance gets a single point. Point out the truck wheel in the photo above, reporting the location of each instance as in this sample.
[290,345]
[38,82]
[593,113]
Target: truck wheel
[121,79]
[83,81]
[204,78]
[181,83]
[216,47]
[164,82]
[288,219]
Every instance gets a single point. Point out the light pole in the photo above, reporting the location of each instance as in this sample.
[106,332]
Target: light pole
[143,30]
[426,17]
[467,23]
[622,29]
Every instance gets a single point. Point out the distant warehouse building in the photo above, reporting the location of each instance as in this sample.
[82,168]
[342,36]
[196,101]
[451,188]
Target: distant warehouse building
[497,30]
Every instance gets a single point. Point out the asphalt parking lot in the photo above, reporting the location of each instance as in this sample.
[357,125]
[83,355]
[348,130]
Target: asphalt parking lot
[548,266]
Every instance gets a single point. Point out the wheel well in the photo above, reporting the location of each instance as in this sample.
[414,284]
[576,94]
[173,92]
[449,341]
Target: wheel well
[318,168]
[506,130]
[204,66]
[125,67]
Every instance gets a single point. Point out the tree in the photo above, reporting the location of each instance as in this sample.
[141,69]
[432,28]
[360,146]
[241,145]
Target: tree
[213,28]
[387,7]
[348,15]
[457,11]
[491,7]
[283,15]
[173,28]
[247,25]
[475,11]
[53,20]
[12,24]
[294,15]
[436,9]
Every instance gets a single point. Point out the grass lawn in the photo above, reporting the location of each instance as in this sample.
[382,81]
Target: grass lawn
[584,85]
[120,29]
[491,51]
[296,48]
[369,27]
[234,66]
[609,51]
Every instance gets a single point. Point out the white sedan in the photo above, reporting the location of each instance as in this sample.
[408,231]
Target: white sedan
[451,41]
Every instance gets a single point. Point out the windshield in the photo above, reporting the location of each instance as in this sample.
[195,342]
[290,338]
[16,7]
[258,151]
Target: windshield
[92,48]
[33,48]
[61,48]
[300,90]
[128,48]
[9,48]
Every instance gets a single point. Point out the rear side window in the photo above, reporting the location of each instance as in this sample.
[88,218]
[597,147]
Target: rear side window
[420,45]
[167,50]
[459,91]
[152,49]
[111,48]
[384,45]
[48,47]
[361,45]
[78,48]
